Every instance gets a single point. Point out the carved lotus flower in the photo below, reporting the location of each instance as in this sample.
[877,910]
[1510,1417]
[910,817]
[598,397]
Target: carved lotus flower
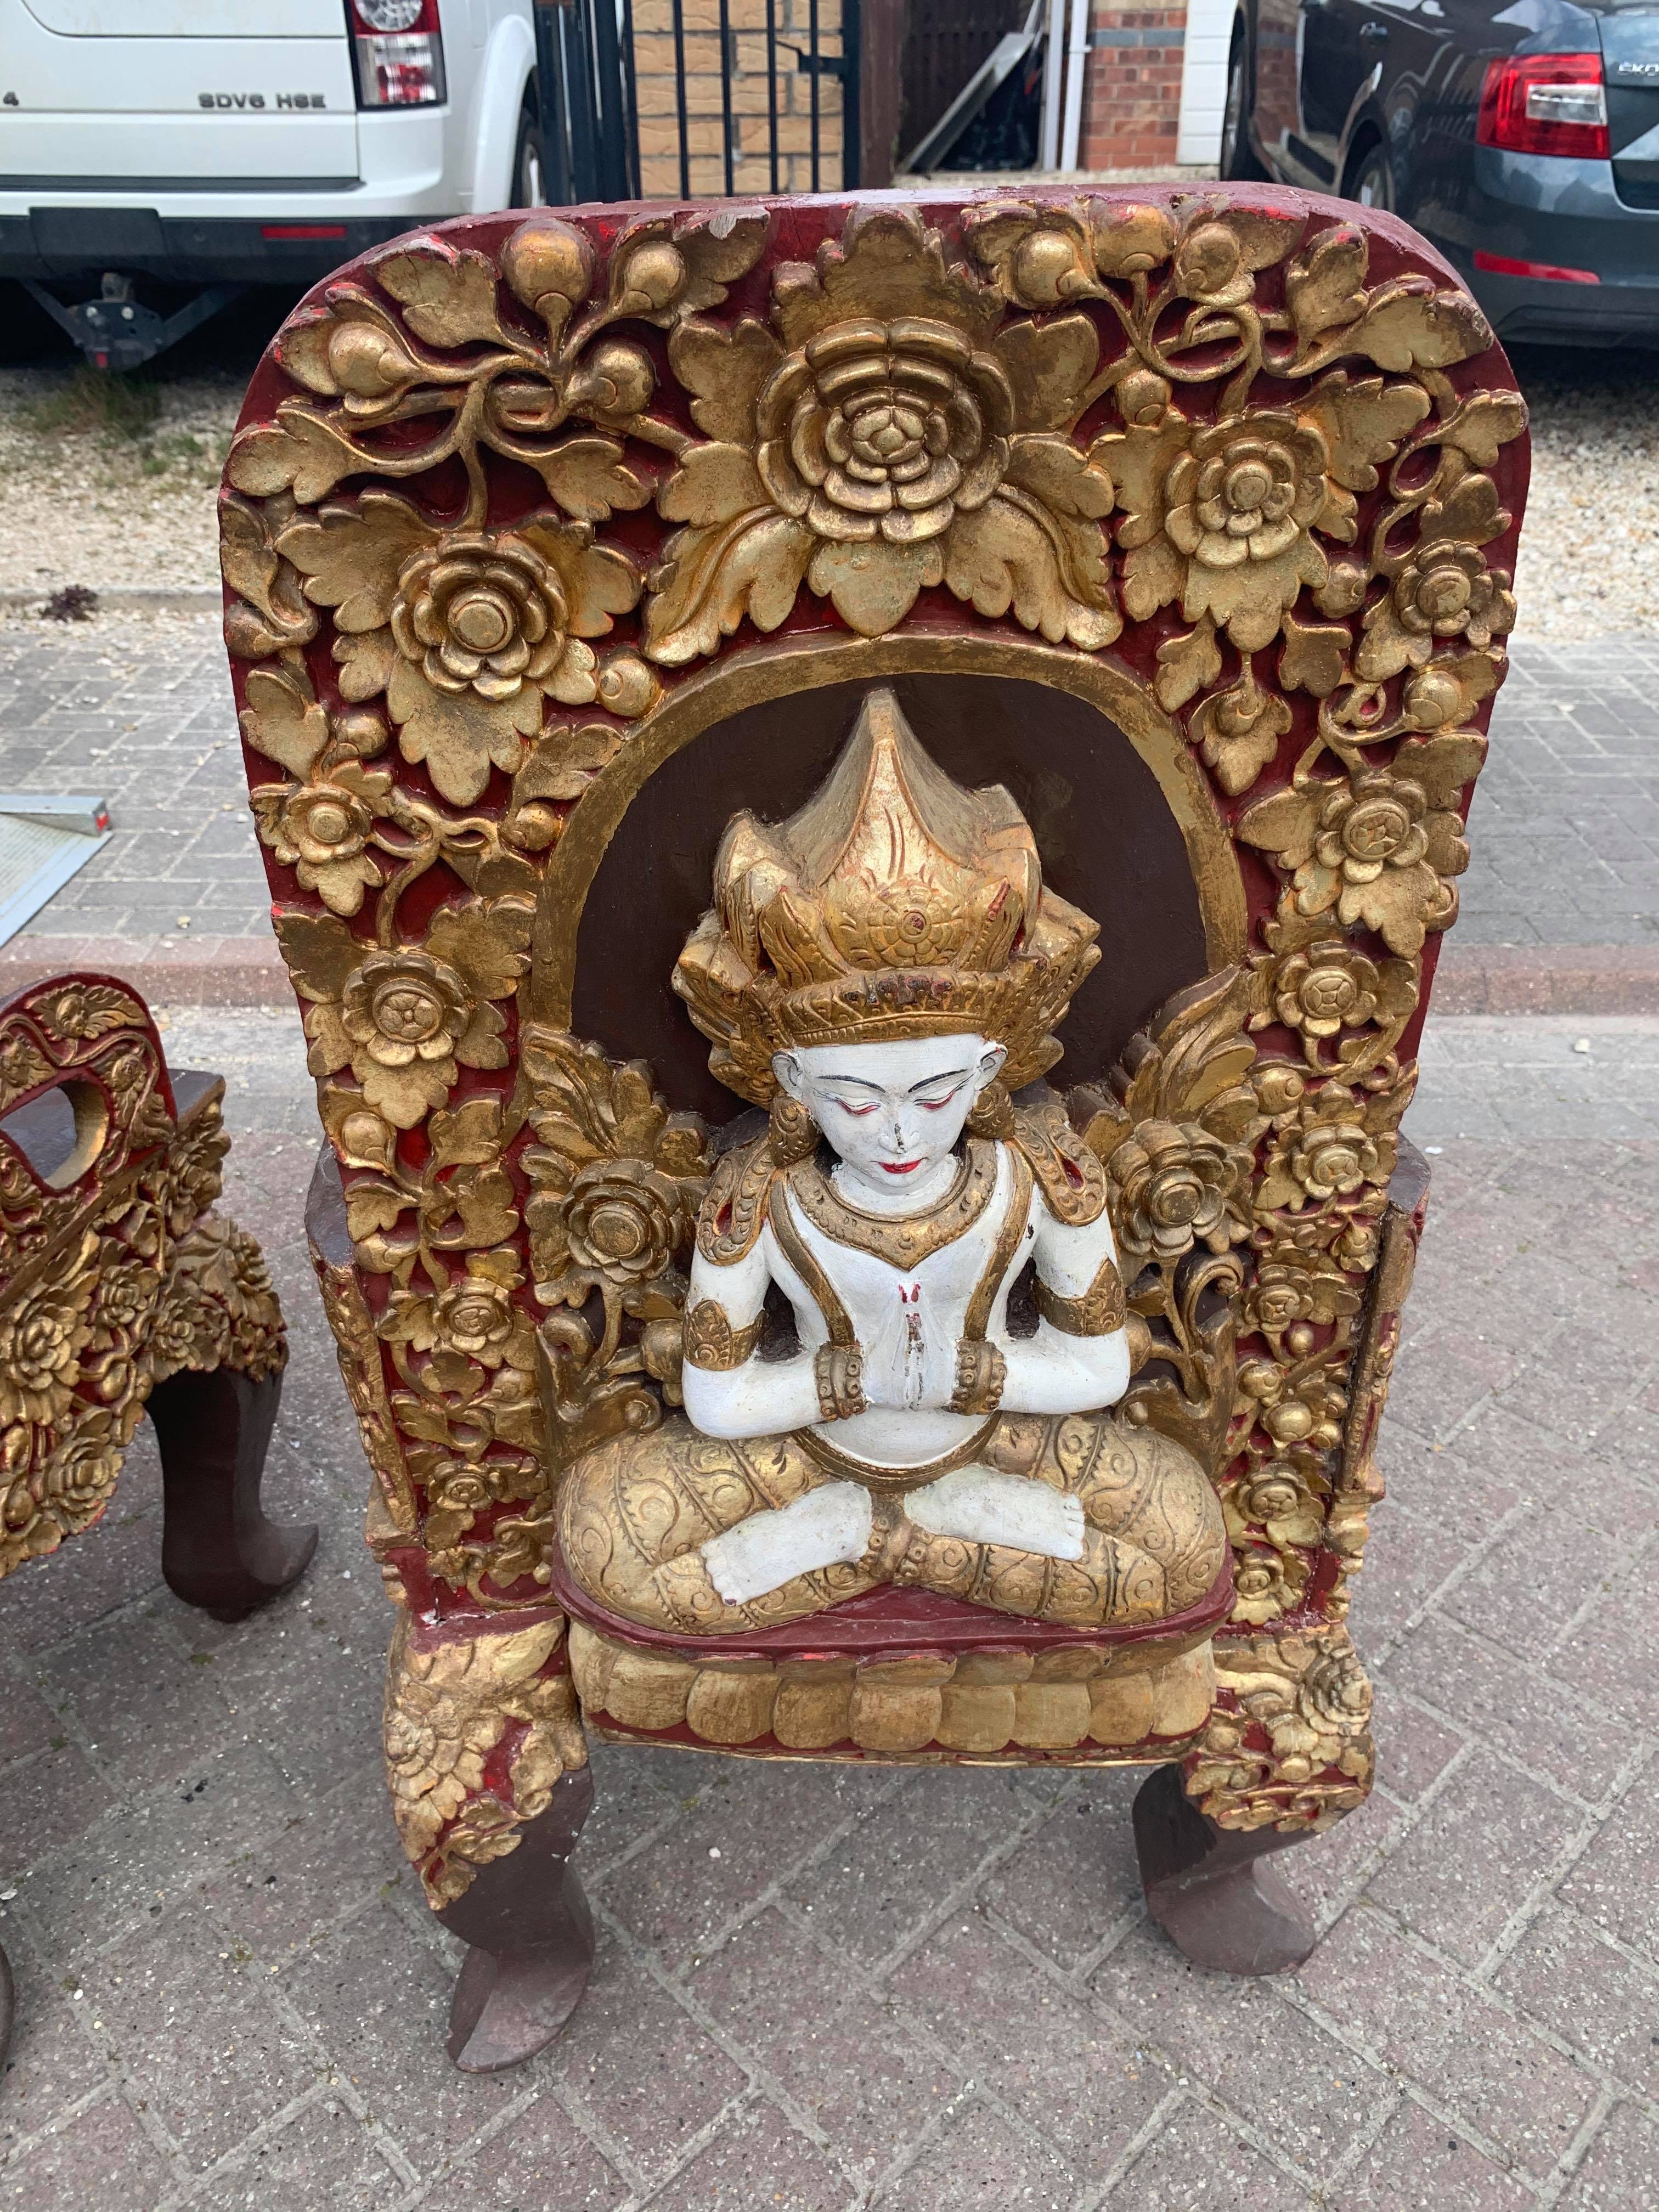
[885,430]
[320,830]
[473,1317]
[483,611]
[465,632]
[185,1328]
[1177,1185]
[1338,1140]
[42,1337]
[1266,1583]
[435,1758]
[617,1178]
[1379,848]
[1219,516]
[625,1222]
[1227,517]
[126,1293]
[404,1019]
[881,436]
[1330,986]
[1274,1497]
[1334,1696]
[1443,593]
[1291,1289]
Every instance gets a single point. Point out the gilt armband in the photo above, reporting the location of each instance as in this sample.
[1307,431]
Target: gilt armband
[1099,1310]
[712,1344]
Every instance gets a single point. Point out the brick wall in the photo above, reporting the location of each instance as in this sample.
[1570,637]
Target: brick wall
[659,134]
[1132,85]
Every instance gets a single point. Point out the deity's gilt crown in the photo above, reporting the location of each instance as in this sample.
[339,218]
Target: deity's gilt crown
[894,904]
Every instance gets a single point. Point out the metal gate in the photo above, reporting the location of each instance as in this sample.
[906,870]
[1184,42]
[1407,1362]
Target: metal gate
[666,99]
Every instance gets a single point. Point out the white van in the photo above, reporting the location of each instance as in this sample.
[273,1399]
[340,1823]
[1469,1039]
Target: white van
[215,143]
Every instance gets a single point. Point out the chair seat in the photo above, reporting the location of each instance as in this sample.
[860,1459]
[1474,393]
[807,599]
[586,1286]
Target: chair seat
[900,1673]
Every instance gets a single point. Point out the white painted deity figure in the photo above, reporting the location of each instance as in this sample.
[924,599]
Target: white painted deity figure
[881,971]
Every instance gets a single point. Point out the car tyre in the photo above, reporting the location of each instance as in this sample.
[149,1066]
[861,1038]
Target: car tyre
[1238,164]
[529,188]
[1371,180]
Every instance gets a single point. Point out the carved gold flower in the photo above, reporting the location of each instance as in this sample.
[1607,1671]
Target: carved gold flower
[1227,517]
[466,632]
[126,1291]
[1330,986]
[1219,516]
[473,1317]
[1378,848]
[1275,1497]
[884,430]
[1336,1154]
[1334,1696]
[42,1337]
[194,1166]
[1443,591]
[404,1018]
[1266,1583]
[76,1478]
[320,830]
[186,1328]
[883,435]
[1290,1289]
[1178,1184]
[617,1178]
[624,1221]
[480,612]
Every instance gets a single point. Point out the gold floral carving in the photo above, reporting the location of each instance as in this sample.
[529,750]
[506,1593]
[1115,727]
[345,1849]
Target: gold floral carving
[113,1272]
[1288,1743]
[448,1707]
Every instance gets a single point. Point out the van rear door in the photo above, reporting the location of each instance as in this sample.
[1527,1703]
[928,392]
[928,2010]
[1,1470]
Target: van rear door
[148,95]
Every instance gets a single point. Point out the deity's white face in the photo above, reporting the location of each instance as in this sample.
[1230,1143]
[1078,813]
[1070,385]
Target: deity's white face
[893,1113]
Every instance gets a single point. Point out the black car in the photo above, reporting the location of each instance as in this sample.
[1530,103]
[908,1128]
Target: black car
[1523,139]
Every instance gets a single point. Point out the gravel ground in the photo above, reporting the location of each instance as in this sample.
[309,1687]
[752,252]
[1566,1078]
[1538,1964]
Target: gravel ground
[93,503]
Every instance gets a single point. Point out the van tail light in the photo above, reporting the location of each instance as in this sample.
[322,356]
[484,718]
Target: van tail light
[1546,103]
[399,52]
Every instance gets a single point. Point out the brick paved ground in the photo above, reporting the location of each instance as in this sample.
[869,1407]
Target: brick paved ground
[1566,822]
[828,1988]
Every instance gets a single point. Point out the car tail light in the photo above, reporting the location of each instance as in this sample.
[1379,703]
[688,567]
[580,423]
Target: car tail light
[1502,265]
[399,50]
[1546,103]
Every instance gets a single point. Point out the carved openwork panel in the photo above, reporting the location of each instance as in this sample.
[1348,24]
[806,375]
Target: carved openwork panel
[113,1272]
[528,522]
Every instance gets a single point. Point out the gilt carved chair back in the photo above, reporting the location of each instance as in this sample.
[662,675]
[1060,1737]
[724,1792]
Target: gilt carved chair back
[1174,530]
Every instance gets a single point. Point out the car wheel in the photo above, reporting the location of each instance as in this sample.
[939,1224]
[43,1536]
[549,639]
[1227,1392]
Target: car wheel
[1238,163]
[1372,180]
[528,189]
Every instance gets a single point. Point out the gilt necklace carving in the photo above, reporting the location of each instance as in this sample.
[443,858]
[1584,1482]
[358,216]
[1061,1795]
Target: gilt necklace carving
[905,1240]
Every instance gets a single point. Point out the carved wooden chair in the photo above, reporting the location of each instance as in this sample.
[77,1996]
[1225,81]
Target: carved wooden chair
[122,1293]
[550,544]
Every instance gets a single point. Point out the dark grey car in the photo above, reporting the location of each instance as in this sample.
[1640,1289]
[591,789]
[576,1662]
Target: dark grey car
[1523,140]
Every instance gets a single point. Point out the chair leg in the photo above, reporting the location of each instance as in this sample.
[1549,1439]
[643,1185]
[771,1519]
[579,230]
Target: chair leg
[218,1550]
[1208,1887]
[531,1940]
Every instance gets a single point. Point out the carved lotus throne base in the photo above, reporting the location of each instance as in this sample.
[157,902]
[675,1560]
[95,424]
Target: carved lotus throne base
[549,544]
[122,1293]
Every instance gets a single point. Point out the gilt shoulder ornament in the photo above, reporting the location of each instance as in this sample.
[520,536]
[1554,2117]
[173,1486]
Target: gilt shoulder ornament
[1070,1177]
[733,1213]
